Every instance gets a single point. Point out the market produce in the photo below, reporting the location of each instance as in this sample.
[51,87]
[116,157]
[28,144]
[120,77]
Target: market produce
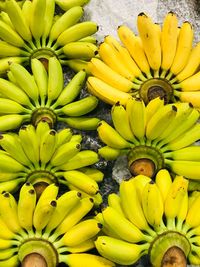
[159,61]
[151,217]
[33,30]
[55,228]
[43,156]
[153,137]
[29,97]
[67,4]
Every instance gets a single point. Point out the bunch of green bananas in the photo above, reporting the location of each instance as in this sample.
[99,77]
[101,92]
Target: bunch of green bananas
[34,31]
[160,61]
[163,135]
[27,97]
[43,155]
[150,217]
[57,228]
[67,4]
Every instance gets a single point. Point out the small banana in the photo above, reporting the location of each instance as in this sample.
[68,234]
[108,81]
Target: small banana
[65,5]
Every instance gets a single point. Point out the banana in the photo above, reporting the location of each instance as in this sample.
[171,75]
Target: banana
[115,202]
[174,200]
[186,138]
[112,58]
[8,50]
[4,17]
[154,105]
[191,83]
[12,185]
[74,216]
[191,66]
[26,206]
[55,80]
[9,35]
[157,123]
[37,18]
[7,244]
[80,50]
[65,203]
[137,117]
[169,37]
[77,65]
[106,92]
[83,247]
[190,153]
[12,261]
[194,259]
[134,46]
[41,129]
[192,219]
[76,32]
[18,20]
[5,233]
[184,47]
[64,153]
[105,73]
[65,21]
[82,181]
[8,106]
[45,207]
[163,181]
[123,53]
[5,62]
[25,81]
[122,226]
[7,253]
[63,136]
[139,183]
[8,163]
[26,11]
[109,153]
[111,137]
[47,146]
[8,211]
[81,159]
[13,92]
[41,78]
[29,142]
[71,90]
[80,232]
[94,173]
[82,123]
[189,169]
[134,213]
[152,203]
[48,17]
[110,247]
[12,121]
[11,144]
[120,119]
[182,213]
[150,40]
[191,97]
[78,259]
[80,107]
[65,5]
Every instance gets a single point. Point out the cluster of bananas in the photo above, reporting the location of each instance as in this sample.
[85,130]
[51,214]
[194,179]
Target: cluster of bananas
[162,134]
[160,61]
[27,97]
[150,217]
[32,30]
[55,227]
[42,155]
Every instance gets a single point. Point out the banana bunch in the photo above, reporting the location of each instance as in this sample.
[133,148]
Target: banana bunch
[42,155]
[33,30]
[55,227]
[153,137]
[160,61]
[150,217]
[67,4]
[29,97]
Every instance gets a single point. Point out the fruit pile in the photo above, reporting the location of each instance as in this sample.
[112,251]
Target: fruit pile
[52,209]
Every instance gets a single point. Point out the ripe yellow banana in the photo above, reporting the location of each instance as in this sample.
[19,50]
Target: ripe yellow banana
[163,181]
[80,50]
[65,5]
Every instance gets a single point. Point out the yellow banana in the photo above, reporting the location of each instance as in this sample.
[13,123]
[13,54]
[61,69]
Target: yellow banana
[8,163]
[13,261]
[12,121]
[109,153]
[115,202]
[105,73]
[94,173]
[8,50]
[106,92]
[191,97]
[111,137]
[139,183]
[80,50]
[163,181]
[192,219]
[48,17]
[154,105]
[110,247]
[191,83]
[8,106]
[150,40]
[26,206]
[65,5]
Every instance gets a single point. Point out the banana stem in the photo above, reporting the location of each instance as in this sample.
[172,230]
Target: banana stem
[34,259]
[171,223]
